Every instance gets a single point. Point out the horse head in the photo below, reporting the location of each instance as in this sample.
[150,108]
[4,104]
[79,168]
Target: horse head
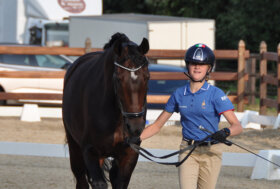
[131,77]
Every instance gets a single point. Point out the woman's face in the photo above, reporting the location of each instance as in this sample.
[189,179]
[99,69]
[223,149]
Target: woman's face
[198,71]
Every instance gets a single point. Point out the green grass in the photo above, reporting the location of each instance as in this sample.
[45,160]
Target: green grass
[256,107]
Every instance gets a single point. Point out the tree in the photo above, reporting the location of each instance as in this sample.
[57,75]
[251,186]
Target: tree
[124,6]
[249,20]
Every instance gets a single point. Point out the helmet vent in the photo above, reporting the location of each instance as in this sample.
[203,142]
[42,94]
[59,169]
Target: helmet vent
[198,54]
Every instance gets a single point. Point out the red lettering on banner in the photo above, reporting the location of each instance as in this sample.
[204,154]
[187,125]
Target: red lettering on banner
[73,6]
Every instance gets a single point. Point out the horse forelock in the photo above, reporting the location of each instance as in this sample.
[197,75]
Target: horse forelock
[132,52]
[114,38]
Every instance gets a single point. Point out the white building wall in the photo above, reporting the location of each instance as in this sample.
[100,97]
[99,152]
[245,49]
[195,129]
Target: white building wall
[100,31]
[164,35]
[177,34]
[201,32]
[8,19]
[21,22]
[167,35]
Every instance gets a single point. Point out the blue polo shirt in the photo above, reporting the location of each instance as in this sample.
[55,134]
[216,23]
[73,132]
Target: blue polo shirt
[201,108]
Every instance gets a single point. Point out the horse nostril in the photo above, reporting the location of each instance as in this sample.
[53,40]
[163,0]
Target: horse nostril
[138,132]
[128,127]
[135,126]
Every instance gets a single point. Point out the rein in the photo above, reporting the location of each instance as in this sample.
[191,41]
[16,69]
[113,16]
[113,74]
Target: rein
[192,147]
[143,152]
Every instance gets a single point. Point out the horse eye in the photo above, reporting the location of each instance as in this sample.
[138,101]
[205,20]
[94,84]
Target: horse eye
[147,77]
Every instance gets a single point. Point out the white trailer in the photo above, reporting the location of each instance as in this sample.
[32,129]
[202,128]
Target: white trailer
[20,20]
[163,32]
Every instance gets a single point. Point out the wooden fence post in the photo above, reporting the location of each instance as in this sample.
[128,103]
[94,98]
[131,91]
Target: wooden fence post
[241,76]
[250,85]
[88,45]
[252,79]
[278,79]
[263,85]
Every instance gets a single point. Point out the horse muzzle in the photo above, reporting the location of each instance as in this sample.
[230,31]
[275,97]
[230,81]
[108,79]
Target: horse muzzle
[132,140]
[135,126]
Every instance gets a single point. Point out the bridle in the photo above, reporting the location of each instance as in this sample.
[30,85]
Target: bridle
[129,69]
[144,108]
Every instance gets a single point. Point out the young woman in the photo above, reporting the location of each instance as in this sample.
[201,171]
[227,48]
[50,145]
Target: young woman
[199,104]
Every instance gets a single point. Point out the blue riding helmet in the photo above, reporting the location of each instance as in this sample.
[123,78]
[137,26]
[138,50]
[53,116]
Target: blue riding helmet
[199,54]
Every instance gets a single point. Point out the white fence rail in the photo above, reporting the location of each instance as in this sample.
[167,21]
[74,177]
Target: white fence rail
[262,169]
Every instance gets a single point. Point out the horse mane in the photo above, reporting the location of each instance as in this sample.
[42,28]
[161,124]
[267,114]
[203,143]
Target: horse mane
[114,38]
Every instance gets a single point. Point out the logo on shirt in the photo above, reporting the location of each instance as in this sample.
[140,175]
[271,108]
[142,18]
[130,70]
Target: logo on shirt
[182,106]
[203,104]
[224,98]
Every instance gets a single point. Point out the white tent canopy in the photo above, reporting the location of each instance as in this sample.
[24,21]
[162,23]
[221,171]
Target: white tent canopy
[17,16]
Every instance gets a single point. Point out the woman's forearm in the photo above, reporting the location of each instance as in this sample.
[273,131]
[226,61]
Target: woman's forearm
[154,128]
[149,131]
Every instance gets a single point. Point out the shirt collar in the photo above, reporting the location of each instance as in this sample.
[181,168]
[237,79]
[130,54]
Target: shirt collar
[204,87]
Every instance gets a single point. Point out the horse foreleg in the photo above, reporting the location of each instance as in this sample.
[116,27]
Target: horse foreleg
[77,163]
[122,168]
[96,175]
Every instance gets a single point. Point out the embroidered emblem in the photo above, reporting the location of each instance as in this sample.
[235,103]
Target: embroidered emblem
[203,105]
[198,54]
[224,98]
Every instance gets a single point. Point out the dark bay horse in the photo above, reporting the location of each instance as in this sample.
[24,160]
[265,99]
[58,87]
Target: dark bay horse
[104,103]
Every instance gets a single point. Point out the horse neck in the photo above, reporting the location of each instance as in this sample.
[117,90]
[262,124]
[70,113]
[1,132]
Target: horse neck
[109,89]
[109,58]
[109,67]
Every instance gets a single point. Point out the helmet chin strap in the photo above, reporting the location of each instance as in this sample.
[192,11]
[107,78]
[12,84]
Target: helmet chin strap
[188,75]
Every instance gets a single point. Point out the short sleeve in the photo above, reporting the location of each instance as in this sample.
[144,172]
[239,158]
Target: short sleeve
[222,102]
[172,105]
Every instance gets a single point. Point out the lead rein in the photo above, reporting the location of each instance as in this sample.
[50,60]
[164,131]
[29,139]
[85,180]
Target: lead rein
[146,153]
[227,142]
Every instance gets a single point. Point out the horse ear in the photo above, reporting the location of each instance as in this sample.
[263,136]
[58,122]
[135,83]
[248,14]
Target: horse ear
[144,46]
[118,47]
